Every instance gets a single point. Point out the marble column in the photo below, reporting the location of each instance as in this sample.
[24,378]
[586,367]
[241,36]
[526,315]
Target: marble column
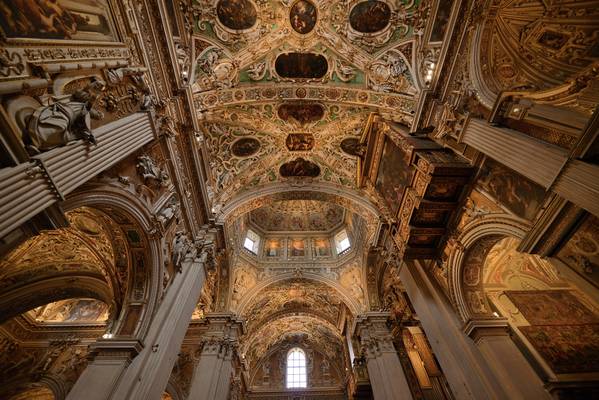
[387,377]
[215,369]
[125,370]
[507,362]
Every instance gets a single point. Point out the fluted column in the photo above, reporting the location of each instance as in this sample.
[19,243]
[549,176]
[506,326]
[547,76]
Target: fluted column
[505,359]
[387,377]
[215,368]
[117,373]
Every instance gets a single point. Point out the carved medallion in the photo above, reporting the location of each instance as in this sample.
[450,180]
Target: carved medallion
[302,113]
[301,65]
[245,147]
[300,142]
[303,16]
[370,16]
[299,168]
[237,14]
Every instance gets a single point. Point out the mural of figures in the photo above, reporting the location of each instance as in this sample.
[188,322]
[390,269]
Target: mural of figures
[321,247]
[301,113]
[393,175]
[237,14]
[297,248]
[273,248]
[352,147]
[245,147]
[57,19]
[300,142]
[303,16]
[299,168]
[515,192]
[301,65]
[370,16]
[77,310]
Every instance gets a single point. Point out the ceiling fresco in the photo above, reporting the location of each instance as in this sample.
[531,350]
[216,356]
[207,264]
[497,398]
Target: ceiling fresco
[298,328]
[254,61]
[298,295]
[297,215]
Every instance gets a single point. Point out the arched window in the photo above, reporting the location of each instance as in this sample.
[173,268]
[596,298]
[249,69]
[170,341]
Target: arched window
[296,369]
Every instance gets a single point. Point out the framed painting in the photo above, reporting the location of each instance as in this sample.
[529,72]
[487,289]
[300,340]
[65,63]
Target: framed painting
[88,20]
[296,248]
[321,248]
[394,174]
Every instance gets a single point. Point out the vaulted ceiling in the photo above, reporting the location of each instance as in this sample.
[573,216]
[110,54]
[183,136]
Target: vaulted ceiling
[284,90]
[279,85]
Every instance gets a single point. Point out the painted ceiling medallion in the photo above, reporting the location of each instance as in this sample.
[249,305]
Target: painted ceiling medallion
[300,142]
[237,14]
[299,168]
[245,147]
[303,16]
[370,16]
[352,147]
[301,65]
[301,113]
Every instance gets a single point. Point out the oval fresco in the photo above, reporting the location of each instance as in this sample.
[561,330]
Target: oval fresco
[303,16]
[300,168]
[245,147]
[301,65]
[302,113]
[352,147]
[237,14]
[370,16]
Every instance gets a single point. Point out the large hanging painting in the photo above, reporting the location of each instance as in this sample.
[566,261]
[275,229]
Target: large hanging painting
[301,65]
[245,147]
[581,252]
[88,20]
[370,16]
[300,142]
[393,175]
[300,168]
[303,16]
[568,349]
[520,195]
[301,113]
[236,14]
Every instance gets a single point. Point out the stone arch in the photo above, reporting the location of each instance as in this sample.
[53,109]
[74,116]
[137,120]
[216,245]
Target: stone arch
[58,265]
[467,259]
[349,301]
[145,281]
[252,199]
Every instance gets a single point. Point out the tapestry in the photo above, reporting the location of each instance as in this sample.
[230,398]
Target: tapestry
[567,349]
[551,307]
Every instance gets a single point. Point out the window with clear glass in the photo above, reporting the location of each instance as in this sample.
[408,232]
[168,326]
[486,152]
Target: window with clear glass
[296,369]
[342,242]
[251,242]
